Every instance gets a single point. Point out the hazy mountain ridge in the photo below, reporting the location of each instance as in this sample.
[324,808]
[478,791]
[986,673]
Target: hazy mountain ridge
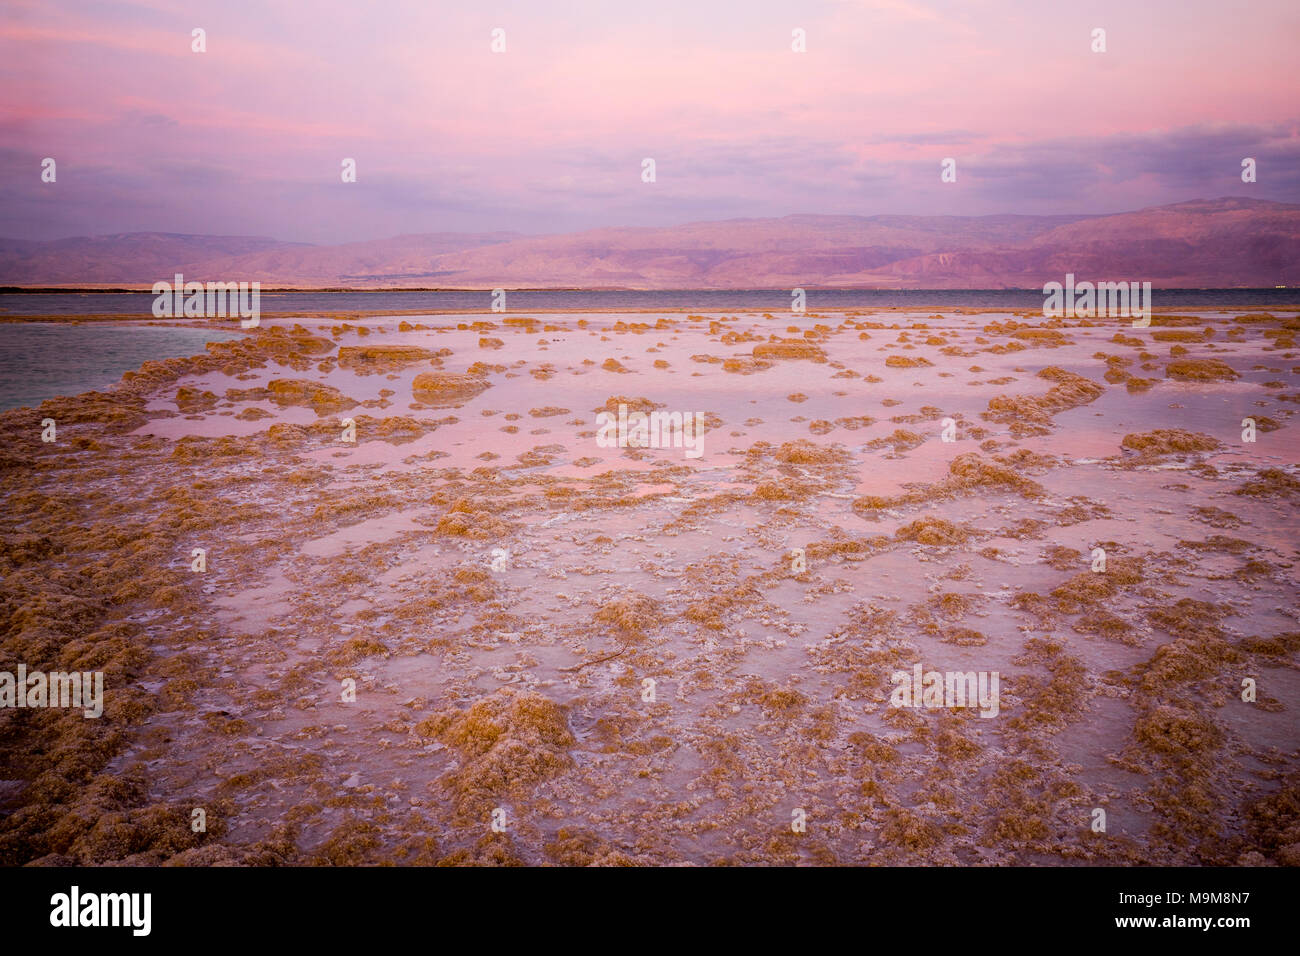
[1202,243]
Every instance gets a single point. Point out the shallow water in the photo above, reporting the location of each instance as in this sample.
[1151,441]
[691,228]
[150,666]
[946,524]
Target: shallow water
[41,360]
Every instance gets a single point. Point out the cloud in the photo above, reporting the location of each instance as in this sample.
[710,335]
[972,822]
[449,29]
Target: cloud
[448,135]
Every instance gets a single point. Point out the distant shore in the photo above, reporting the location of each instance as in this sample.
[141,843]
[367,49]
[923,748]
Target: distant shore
[229,323]
[67,305]
[595,290]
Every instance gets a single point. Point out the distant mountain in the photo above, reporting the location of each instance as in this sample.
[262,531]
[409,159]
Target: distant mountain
[130,257]
[1221,242]
[143,258]
[402,260]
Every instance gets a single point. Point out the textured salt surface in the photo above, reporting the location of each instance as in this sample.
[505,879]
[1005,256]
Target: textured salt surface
[479,561]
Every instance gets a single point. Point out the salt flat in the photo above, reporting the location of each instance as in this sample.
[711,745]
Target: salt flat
[632,655]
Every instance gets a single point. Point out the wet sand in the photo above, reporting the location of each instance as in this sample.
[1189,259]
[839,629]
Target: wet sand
[499,588]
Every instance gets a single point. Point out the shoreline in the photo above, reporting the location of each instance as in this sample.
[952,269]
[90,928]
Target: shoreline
[347,314]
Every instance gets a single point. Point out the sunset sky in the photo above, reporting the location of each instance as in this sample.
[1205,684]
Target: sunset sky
[247,138]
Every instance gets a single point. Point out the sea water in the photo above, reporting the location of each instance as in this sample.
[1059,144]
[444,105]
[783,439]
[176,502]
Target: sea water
[40,360]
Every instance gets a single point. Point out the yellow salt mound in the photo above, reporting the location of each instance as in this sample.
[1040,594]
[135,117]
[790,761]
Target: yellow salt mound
[789,350]
[438,387]
[902,361]
[510,741]
[383,354]
[1200,370]
[291,391]
[1169,441]
[932,530]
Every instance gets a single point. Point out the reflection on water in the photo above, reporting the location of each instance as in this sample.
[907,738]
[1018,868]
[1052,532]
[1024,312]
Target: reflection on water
[41,360]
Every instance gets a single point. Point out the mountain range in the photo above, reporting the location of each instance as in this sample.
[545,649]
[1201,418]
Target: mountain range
[1196,244]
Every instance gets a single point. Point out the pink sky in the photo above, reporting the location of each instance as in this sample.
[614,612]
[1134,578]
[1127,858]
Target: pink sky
[247,138]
